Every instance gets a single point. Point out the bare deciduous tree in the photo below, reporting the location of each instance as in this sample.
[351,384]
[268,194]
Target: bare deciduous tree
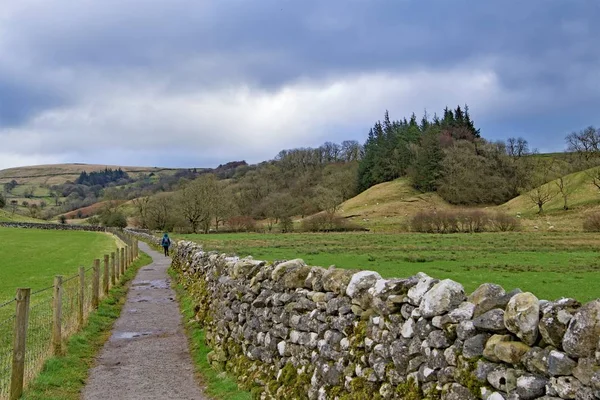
[141,205]
[564,181]
[159,211]
[540,190]
[585,143]
[517,147]
[200,201]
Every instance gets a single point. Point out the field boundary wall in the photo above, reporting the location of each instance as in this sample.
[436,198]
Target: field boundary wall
[61,227]
[290,330]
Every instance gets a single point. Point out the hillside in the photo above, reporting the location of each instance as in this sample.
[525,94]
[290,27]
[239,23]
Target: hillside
[387,206]
[7,216]
[583,198]
[60,173]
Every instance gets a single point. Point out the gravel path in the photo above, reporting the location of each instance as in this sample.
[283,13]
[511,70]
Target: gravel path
[147,355]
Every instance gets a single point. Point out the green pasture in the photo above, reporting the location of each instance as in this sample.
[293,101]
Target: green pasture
[549,264]
[38,191]
[32,257]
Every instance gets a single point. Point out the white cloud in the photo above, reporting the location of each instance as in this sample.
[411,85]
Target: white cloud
[243,121]
[10,160]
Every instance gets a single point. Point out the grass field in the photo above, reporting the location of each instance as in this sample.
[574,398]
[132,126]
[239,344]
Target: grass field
[549,264]
[32,257]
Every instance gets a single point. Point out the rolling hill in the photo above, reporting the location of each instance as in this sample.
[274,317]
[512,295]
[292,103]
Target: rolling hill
[7,216]
[60,173]
[387,207]
[583,198]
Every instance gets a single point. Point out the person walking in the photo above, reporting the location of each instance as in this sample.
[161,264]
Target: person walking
[165,243]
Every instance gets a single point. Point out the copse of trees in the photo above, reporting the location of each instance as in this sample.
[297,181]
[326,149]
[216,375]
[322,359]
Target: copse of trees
[101,178]
[410,147]
[448,156]
[9,186]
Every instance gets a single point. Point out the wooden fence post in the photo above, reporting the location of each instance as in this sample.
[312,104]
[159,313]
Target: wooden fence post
[80,313]
[117,265]
[128,255]
[96,284]
[19,340]
[122,261]
[57,316]
[112,269]
[105,280]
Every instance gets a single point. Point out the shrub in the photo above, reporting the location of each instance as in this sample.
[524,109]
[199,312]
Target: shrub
[62,219]
[116,219]
[422,222]
[2,201]
[328,222]
[241,224]
[505,223]
[286,225]
[467,221]
[435,222]
[591,223]
[473,221]
[94,221]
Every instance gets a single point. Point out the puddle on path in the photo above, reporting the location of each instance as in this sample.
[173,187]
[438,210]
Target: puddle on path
[154,284]
[130,335]
[150,299]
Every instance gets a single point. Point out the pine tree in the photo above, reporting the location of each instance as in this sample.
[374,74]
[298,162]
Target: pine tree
[469,123]
[459,116]
[427,167]
[424,122]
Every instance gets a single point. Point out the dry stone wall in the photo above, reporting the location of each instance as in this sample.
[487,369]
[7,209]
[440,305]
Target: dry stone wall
[59,227]
[288,330]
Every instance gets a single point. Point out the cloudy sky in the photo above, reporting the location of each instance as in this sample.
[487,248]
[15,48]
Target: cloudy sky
[202,82]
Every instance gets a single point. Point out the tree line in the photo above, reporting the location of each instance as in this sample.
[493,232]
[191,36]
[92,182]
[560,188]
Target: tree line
[101,178]
[446,155]
[297,182]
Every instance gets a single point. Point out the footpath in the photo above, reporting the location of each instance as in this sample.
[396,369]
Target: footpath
[147,356]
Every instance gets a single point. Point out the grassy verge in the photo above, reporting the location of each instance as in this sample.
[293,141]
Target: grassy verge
[218,385]
[64,377]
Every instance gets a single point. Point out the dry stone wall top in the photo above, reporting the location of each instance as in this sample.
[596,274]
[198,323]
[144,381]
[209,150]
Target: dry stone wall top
[289,330]
[60,227]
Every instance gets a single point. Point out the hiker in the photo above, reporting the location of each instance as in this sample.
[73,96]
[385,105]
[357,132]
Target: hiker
[165,243]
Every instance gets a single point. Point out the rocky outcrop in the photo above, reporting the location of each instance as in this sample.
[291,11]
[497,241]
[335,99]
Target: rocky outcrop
[288,330]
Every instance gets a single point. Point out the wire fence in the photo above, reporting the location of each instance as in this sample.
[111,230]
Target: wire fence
[7,327]
[70,300]
[39,332]
[52,315]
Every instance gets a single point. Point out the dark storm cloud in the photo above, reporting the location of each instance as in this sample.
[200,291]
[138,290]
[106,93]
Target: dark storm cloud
[19,101]
[315,38]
